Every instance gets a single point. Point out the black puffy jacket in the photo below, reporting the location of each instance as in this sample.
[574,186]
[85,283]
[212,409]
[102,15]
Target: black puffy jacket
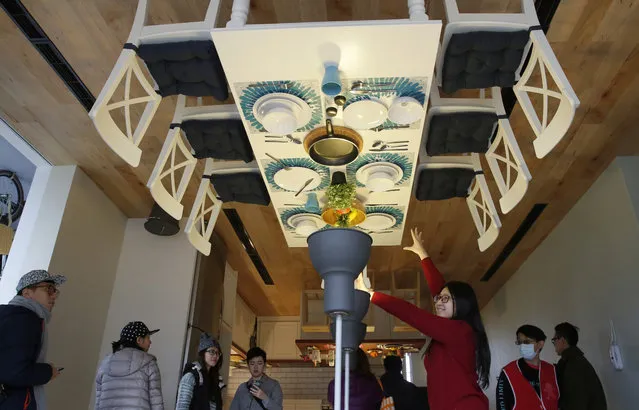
[20,343]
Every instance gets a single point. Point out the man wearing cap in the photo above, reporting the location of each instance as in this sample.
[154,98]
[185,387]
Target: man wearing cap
[130,377]
[23,342]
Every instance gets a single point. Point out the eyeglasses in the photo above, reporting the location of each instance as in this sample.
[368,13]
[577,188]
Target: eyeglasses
[554,339]
[213,352]
[442,298]
[51,290]
[525,342]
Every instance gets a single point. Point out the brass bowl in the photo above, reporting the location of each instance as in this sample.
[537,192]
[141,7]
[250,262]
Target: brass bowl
[333,145]
[357,215]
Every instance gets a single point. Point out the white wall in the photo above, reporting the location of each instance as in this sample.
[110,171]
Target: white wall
[153,284]
[37,233]
[586,272]
[87,252]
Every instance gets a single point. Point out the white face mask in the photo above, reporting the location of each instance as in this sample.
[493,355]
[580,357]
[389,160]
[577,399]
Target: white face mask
[527,351]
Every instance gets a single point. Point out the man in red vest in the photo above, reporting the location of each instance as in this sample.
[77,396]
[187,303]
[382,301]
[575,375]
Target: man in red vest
[528,383]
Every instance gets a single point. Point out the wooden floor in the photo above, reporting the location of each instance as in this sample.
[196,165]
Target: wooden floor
[596,42]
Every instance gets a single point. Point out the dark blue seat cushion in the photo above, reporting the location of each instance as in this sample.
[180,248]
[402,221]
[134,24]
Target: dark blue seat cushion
[443,183]
[459,133]
[245,187]
[483,59]
[219,139]
[190,68]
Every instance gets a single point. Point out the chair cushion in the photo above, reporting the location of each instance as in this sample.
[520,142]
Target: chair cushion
[219,139]
[245,187]
[190,68]
[483,59]
[443,183]
[459,133]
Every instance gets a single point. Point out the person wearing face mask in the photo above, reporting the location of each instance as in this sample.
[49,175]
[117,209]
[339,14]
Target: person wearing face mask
[528,383]
[457,360]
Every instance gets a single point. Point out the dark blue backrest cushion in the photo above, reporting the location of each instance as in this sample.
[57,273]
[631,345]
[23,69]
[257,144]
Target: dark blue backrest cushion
[459,133]
[219,139]
[483,59]
[443,183]
[190,68]
[245,187]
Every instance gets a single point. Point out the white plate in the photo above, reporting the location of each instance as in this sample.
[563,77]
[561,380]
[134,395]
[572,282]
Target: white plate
[393,170]
[293,178]
[300,108]
[405,111]
[305,224]
[378,222]
[365,114]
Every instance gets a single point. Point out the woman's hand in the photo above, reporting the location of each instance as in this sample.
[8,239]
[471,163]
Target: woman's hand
[417,247]
[362,283]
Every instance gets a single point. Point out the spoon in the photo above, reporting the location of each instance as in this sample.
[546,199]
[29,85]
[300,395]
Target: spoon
[379,142]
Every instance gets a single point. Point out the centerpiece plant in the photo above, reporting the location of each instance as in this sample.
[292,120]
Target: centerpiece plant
[341,199]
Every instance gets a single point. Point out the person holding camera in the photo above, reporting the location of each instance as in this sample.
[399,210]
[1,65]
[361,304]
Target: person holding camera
[260,389]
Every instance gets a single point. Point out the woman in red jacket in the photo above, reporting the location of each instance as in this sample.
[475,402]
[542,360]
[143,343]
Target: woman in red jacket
[458,358]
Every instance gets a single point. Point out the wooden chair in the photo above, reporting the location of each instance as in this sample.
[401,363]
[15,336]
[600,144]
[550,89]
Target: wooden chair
[209,200]
[446,177]
[176,162]
[483,50]
[480,125]
[184,44]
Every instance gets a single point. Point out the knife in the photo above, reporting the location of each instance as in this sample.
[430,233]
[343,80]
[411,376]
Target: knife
[304,186]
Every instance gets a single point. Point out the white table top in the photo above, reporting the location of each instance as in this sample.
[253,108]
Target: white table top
[259,59]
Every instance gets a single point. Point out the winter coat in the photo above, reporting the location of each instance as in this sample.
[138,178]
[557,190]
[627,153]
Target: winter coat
[579,385]
[406,396]
[129,379]
[244,400]
[20,344]
[364,392]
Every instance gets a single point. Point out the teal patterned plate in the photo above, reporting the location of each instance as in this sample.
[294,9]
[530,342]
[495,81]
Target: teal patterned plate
[250,93]
[272,167]
[404,161]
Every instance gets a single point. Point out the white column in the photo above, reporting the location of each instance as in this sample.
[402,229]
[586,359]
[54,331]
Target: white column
[40,222]
[347,380]
[338,362]
[153,284]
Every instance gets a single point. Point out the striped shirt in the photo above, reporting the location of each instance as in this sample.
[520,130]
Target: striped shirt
[185,392]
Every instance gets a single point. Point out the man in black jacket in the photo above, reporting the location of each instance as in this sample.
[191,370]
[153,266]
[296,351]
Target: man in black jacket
[579,384]
[23,371]
[406,396]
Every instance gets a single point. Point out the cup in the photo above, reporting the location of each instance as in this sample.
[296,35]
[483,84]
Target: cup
[331,84]
[312,204]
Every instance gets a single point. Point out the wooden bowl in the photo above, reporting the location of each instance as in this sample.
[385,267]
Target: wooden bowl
[333,145]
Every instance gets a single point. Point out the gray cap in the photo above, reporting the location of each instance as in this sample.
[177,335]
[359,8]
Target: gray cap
[207,341]
[38,276]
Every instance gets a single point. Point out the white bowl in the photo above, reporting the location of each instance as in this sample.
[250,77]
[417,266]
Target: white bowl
[405,111]
[365,114]
[306,227]
[279,120]
[379,181]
